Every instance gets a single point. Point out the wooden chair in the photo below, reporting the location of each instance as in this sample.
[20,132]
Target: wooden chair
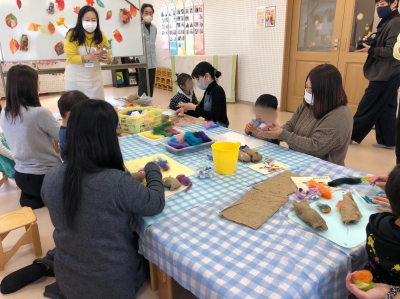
[24,217]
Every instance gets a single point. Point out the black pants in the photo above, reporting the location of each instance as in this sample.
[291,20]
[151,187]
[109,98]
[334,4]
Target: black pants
[378,107]
[30,185]
[143,83]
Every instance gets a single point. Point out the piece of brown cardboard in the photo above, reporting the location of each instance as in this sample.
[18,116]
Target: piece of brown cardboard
[253,209]
[280,184]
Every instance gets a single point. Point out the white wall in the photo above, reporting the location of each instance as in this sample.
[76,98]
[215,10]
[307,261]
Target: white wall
[230,29]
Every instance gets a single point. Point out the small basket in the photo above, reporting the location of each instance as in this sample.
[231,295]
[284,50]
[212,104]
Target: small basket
[140,123]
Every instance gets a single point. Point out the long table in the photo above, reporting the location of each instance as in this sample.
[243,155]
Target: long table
[215,258]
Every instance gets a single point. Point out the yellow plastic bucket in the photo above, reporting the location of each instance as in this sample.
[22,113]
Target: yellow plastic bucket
[225,156]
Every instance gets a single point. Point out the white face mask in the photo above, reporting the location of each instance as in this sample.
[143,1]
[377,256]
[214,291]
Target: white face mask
[89,26]
[308,97]
[148,19]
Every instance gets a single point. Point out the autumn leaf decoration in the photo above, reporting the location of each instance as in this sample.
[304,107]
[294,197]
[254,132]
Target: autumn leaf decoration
[14,45]
[61,21]
[11,21]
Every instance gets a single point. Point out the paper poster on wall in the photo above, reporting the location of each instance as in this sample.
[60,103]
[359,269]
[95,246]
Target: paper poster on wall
[189,32]
[173,45]
[180,27]
[164,32]
[260,17]
[270,13]
[198,27]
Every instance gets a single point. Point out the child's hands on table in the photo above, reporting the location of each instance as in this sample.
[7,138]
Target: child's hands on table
[187,106]
[379,291]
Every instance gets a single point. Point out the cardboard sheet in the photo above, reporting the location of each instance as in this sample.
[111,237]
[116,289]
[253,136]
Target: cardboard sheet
[280,184]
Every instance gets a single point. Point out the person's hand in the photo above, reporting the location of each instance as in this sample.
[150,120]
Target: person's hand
[93,55]
[106,58]
[272,131]
[252,128]
[379,291]
[187,106]
[270,127]
[179,112]
[365,49]
[379,180]
[383,201]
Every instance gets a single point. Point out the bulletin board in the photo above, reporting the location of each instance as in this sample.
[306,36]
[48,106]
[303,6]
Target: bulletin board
[226,64]
[46,27]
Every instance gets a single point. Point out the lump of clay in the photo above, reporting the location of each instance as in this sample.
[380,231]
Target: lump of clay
[309,215]
[349,209]
[138,176]
[254,155]
[172,183]
[244,157]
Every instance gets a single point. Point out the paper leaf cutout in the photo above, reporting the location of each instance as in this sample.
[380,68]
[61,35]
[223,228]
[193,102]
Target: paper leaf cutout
[43,29]
[99,3]
[125,15]
[77,9]
[23,43]
[61,21]
[33,27]
[90,2]
[11,21]
[19,4]
[14,46]
[59,48]
[60,5]
[118,36]
[109,15]
[133,10]
[51,28]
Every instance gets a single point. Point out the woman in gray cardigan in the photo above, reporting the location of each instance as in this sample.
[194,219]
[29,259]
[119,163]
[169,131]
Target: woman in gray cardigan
[91,200]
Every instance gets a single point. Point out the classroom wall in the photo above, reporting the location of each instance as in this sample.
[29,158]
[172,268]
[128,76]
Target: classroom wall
[230,28]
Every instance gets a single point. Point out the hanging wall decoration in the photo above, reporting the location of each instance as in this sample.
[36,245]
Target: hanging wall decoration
[180,27]
[270,13]
[189,31]
[260,17]
[173,45]
[165,31]
[198,25]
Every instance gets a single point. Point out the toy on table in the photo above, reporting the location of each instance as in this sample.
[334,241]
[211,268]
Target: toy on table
[348,181]
[311,193]
[172,183]
[349,209]
[309,215]
[162,163]
[323,207]
[247,154]
[185,181]
[363,280]
[208,125]
[204,172]
[325,193]
[337,207]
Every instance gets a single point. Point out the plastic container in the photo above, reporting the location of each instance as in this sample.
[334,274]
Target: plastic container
[368,204]
[187,150]
[140,123]
[225,156]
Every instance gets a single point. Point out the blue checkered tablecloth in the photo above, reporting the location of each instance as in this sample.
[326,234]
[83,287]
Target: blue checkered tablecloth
[215,258]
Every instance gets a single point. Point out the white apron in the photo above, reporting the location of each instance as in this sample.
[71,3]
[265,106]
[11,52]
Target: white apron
[89,80]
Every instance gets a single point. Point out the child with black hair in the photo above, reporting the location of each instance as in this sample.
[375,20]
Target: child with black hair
[185,93]
[265,110]
[68,100]
[213,105]
[382,246]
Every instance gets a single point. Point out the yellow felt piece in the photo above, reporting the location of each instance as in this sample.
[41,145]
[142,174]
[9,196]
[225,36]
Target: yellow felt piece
[176,168]
[152,136]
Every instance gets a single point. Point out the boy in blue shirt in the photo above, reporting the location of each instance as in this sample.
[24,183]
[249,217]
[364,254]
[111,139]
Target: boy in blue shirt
[65,104]
[265,110]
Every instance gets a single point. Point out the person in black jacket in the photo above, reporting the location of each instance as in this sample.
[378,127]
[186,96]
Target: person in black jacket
[379,104]
[213,105]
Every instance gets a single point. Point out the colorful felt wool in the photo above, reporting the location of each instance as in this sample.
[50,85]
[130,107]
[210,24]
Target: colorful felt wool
[192,140]
[210,125]
[176,144]
[342,181]
[185,181]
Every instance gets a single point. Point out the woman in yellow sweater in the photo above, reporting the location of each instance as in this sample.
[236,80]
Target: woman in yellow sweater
[85,47]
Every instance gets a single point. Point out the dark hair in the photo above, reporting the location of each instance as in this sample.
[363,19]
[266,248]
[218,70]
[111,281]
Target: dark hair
[203,68]
[78,33]
[21,90]
[389,1]
[267,101]
[392,190]
[182,78]
[91,146]
[69,99]
[327,89]
[144,6]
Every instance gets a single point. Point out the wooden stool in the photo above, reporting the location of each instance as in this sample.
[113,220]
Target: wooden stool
[12,221]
